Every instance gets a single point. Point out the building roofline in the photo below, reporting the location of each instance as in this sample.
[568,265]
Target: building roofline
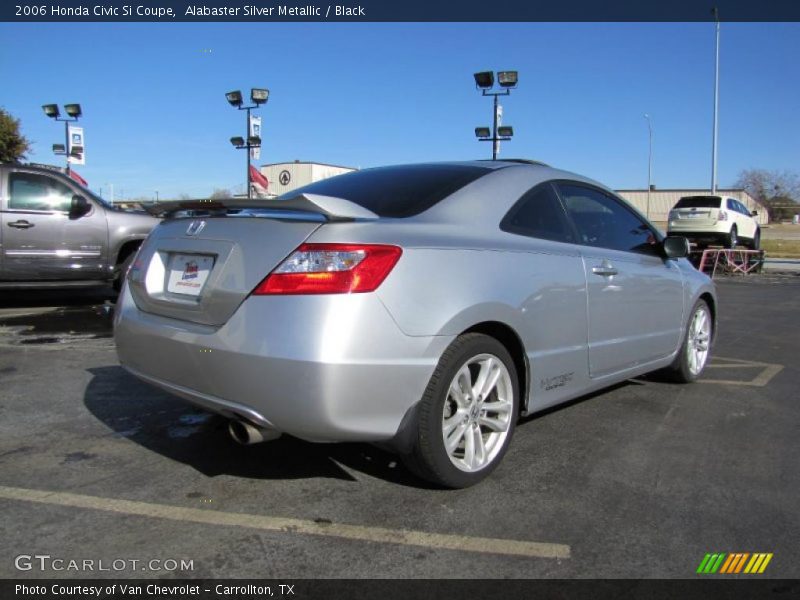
[307,162]
[703,191]
[682,190]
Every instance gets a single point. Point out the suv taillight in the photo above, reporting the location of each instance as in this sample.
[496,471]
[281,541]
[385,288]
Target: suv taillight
[722,216]
[331,269]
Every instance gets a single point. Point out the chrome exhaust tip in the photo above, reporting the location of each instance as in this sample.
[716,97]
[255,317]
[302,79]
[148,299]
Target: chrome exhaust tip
[246,433]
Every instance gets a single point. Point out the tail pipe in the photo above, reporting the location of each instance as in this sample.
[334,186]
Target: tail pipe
[246,433]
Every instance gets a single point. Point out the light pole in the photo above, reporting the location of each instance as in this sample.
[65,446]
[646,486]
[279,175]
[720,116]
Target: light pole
[74,113]
[485,81]
[258,96]
[715,12]
[649,161]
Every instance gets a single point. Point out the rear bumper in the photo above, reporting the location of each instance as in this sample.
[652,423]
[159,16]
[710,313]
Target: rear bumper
[321,368]
[709,235]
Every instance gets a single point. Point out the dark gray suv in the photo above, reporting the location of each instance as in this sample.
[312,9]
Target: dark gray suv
[56,233]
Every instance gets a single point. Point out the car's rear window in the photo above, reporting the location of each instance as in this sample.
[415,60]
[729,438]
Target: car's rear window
[699,202]
[399,191]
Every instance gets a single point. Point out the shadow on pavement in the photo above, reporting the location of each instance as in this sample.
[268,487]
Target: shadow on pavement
[55,297]
[177,430]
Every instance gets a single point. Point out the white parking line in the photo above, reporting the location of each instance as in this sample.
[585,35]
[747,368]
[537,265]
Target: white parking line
[294,526]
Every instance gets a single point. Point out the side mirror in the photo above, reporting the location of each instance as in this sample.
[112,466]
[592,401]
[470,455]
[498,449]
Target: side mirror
[79,207]
[676,246]
[754,213]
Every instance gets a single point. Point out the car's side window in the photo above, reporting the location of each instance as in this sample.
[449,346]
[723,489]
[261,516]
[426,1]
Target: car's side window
[604,222]
[539,214]
[29,191]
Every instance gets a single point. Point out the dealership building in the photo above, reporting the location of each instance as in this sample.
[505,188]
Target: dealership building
[287,176]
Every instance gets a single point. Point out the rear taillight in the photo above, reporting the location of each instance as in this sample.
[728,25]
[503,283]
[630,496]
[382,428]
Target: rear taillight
[722,216]
[331,269]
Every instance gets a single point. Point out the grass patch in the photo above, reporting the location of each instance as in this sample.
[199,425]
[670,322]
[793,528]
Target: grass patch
[781,248]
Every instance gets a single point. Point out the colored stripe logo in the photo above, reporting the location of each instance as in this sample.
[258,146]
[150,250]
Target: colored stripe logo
[734,563]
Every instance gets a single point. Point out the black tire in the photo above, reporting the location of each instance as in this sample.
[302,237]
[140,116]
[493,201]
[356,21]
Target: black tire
[122,271]
[429,458]
[756,243]
[681,370]
[733,238]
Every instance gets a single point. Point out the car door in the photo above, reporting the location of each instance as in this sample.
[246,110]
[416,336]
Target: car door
[634,295]
[747,227]
[554,325]
[41,240]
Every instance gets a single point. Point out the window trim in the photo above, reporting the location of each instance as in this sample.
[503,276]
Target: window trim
[508,228]
[10,175]
[621,203]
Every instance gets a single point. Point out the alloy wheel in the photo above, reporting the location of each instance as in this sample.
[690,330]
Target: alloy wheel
[477,413]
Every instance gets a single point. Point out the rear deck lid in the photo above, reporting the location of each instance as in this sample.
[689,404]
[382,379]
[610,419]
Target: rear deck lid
[201,269]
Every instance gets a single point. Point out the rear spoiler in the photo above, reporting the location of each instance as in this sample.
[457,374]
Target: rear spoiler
[334,209]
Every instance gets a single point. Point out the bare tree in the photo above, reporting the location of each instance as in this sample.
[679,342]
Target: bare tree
[779,191]
[220,194]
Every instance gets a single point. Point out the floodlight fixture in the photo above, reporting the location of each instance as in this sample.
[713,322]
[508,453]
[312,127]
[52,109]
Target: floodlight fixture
[76,151]
[234,98]
[484,79]
[259,95]
[51,110]
[507,79]
[73,110]
[59,149]
[249,142]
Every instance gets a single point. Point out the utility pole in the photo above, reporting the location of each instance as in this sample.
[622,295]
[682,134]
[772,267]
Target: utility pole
[715,12]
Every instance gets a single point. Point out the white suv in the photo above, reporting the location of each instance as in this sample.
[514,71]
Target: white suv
[714,220]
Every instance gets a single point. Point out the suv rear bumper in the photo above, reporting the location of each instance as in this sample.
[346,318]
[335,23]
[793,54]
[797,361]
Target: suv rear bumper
[702,237]
[321,368]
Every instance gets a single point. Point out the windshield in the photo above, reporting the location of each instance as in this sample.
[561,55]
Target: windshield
[699,202]
[398,191]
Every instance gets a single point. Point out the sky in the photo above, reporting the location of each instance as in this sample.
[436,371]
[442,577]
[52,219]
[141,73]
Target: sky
[369,94]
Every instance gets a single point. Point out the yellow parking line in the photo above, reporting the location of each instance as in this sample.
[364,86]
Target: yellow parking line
[768,371]
[286,525]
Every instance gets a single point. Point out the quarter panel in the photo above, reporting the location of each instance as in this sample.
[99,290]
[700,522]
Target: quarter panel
[539,293]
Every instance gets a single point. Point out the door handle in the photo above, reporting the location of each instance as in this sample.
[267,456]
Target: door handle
[606,269]
[21,224]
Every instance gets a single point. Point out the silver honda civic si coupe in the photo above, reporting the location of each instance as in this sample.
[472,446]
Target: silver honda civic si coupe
[422,307]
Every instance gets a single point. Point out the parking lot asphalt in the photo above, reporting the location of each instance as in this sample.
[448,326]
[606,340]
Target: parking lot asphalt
[640,480]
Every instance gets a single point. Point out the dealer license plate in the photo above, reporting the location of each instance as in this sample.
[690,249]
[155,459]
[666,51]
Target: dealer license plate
[188,273]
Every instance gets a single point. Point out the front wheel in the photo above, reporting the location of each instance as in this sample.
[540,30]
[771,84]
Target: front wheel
[692,358]
[467,415]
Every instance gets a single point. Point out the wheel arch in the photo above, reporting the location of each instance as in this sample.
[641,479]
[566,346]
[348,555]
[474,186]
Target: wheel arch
[126,249]
[506,335]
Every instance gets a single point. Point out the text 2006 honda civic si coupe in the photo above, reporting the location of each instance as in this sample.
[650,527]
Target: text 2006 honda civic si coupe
[423,307]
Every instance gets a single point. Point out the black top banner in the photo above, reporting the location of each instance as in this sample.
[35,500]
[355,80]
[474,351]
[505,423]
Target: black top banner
[401,10]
